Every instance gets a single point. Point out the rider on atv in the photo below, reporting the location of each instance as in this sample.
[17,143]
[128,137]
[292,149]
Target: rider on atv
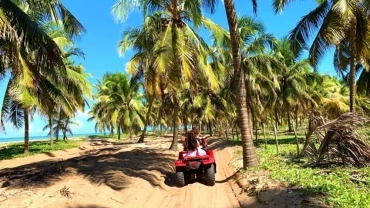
[193,149]
[201,141]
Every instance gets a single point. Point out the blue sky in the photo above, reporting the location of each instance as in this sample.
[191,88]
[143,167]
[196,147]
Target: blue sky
[103,34]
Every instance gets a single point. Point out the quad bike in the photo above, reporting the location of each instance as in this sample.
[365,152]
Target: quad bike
[190,168]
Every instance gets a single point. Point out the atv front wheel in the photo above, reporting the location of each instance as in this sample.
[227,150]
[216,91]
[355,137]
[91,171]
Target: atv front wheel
[211,180]
[180,179]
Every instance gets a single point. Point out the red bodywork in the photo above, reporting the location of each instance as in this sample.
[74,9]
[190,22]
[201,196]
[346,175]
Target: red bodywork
[205,159]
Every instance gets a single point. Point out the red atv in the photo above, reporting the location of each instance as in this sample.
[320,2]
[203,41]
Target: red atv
[189,168]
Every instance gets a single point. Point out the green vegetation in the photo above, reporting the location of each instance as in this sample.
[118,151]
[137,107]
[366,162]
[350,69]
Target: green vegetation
[342,187]
[16,150]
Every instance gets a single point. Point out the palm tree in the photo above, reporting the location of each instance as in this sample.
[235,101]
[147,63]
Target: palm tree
[119,103]
[142,64]
[258,65]
[177,60]
[33,59]
[64,126]
[339,24]
[293,73]
[20,28]
[245,124]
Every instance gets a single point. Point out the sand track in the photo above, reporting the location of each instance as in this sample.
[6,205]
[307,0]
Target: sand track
[105,174]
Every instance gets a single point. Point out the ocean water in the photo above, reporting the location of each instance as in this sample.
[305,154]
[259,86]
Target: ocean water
[40,138]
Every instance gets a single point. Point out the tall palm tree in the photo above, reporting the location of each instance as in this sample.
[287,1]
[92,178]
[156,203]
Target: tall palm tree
[245,123]
[142,64]
[292,77]
[178,43]
[340,24]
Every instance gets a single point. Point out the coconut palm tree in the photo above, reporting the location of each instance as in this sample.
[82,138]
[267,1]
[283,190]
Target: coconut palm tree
[31,57]
[20,28]
[245,123]
[142,64]
[292,75]
[122,9]
[339,24]
[119,102]
[178,45]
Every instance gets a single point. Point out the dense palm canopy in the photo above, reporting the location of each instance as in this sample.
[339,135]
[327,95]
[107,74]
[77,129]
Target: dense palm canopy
[119,104]
[338,24]
[242,78]
[36,40]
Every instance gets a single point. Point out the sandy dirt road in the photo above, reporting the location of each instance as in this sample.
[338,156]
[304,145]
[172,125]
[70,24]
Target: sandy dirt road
[112,174]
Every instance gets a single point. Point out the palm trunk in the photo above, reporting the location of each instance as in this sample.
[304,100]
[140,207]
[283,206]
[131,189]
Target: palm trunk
[352,73]
[296,139]
[119,132]
[289,123]
[227,130]
[26,132]
[64,135]
[185,121]
[232,132]
[210,128]
[175,125]
[264,135]
[58,125]
[296,117]
[276,140]
[175,74]
[51,129]
[130,133]
[276,118]
[237,133]
[111,129]
[249,151]
[65,129]
[141,139]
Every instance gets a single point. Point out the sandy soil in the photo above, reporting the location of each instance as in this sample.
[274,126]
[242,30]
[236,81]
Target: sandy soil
[112,174]
[103,173]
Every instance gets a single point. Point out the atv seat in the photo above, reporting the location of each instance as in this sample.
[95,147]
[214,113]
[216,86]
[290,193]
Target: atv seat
[203,157]
[209,154]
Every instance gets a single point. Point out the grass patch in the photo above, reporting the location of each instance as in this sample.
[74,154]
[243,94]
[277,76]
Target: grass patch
[15,150]
[344,187]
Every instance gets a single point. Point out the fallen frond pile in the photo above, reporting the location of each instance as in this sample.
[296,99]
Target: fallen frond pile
[342,144]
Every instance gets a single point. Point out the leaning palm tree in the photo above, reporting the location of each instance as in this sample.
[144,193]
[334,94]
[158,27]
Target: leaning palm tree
[20,28]
[32,58]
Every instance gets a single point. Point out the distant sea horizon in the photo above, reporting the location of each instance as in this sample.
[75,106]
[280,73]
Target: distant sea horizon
[43,137]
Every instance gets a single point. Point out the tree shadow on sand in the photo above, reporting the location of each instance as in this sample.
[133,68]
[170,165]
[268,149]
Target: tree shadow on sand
[220,144]
[105,166]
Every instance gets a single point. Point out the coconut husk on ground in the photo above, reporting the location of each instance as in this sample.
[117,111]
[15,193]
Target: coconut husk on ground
[341,143]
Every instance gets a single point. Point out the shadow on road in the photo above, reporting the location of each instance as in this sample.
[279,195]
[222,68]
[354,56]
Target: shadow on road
[105,166]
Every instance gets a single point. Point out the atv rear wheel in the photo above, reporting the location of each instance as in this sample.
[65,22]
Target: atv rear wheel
[211,180]
[180,179]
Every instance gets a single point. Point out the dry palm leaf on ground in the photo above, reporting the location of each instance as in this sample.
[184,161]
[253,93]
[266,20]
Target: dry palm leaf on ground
[342,144]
